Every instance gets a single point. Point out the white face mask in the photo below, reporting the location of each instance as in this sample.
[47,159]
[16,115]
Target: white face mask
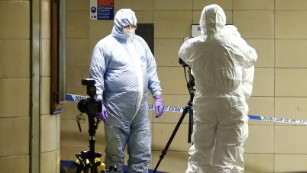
[129,33]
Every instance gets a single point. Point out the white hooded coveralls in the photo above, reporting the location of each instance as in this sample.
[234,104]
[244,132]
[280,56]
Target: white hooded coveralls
[222,64]
[124,71]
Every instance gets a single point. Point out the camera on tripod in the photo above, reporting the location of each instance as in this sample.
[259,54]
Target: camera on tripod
[187,110]
[191,80]
[89,160]
[89,106]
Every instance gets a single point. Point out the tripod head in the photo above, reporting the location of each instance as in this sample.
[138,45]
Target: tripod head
[89,106]
[190,80]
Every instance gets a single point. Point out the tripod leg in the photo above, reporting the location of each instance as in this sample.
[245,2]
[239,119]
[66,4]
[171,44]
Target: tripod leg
[190,125]
[185,110]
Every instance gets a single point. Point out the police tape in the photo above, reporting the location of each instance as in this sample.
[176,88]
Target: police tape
[77,98]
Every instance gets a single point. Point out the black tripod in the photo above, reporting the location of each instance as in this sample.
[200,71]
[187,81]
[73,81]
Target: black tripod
[91,107]
[187,109]
[87,158]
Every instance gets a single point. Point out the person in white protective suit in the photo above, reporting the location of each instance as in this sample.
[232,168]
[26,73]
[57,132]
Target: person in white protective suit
[222,64]
[124,70]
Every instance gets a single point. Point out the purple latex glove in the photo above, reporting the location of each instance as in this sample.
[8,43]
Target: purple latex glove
[158,106]
[103,114]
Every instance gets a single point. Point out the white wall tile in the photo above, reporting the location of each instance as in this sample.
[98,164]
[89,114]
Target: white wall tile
[260,139]
[289,82]
[15,164]
[255,24]
[14,134]
[196,17]
[100,29]
[175,74]
[75,5]
[290,4]
[12,89]
[50,136]
[46,19]
[77,24]
[45,96]
[252,5]
[47,159]
[265,51]
[263,82]
[290,25]
[45,58]
[145,16]
[290,163]
[291,53]
[173,5]
[229,17]
[172,24]
[290,139]
[12,51]
[15,19]
[169,57]
[134,4]
[77,52]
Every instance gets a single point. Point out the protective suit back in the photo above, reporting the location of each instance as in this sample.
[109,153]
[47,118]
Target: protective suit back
[219,60]
[216,59]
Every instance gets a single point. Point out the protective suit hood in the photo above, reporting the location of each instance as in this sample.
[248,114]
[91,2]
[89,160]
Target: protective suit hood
[122,18]
[212,19]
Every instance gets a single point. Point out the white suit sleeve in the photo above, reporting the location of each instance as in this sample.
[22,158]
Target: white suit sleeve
[153,81]
[247,81]
[186,51]
[97,69]
[246,54]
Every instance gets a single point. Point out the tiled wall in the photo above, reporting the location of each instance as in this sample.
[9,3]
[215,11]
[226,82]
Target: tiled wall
[15,63]
[14,85]
[277,30]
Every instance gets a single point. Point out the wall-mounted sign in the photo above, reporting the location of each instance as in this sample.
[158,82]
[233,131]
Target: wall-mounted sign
[102,9]
[196,30]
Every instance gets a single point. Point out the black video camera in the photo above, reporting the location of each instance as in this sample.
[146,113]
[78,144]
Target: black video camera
[89,106]
[191,80]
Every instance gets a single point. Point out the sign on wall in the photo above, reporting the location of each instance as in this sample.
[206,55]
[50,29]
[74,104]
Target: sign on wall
[102,9]
[196,30]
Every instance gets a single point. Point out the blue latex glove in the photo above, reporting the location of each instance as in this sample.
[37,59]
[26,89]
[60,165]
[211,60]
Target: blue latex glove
[158,106]
[103,114]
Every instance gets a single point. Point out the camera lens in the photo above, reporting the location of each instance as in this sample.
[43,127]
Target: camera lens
[82,105]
